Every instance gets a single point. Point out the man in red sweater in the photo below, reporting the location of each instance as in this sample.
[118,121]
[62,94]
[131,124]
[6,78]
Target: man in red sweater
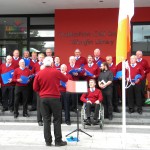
[46,83]
[97,56]
[145,66]
[33,60]
[57,63]
[32,94]
[21,89]
[36,102]
[75,77]
[15,58]
[92,99]
[7,88]
[65,99]
[113,69]
[92,68]
[80,60]
[134,91]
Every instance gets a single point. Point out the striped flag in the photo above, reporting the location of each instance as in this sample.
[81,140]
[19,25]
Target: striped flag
[126,11]
[76,86]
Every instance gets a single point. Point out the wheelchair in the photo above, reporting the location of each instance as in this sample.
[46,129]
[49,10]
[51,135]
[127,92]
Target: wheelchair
[100,118]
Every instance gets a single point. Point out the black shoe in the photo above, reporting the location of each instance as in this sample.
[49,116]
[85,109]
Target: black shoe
[4,109]
[131,110]
[32,109]
[139,111]
[88,122]
[61,143]
[116,110]
[110,117]
[16,115]
[48,144]
[68,122]
[26,115]
[40,123]
[95,122]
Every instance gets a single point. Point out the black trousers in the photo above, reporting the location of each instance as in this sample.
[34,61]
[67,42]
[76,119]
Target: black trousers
[88,110]
[73,100]
[66,102]
[115,99]
[48,107]
[107,101]
[39,115]
[8,97]
[21,92]
[143,85]
[32,95]
[134,96]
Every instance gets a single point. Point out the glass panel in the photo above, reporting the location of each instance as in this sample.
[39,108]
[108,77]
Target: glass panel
[141,38]
[7,47]
[13,28]
[41,46]
[42,21]
[41,33]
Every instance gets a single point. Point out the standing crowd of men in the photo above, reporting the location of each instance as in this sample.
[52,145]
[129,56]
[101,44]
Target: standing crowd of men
[102,72]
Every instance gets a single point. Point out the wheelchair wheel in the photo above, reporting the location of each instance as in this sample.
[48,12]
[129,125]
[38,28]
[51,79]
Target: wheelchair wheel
[82,117]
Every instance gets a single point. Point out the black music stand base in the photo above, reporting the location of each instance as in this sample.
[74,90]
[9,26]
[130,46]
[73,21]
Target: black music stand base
[78,129]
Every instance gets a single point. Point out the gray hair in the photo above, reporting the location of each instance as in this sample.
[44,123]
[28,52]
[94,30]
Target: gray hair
[48,61]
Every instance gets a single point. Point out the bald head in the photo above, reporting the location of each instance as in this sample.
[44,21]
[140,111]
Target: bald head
[97,52]
[8,59]
[109,59]
[77,52]
[139,54]
[16,53]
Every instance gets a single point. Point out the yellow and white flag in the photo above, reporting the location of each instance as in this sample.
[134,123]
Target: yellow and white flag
[126,11]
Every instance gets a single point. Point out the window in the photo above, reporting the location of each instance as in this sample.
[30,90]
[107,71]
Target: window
[141,38]
[26,32]
[41,34]
[13,28]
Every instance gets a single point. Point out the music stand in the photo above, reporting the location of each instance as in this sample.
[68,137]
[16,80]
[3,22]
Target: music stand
[77,87]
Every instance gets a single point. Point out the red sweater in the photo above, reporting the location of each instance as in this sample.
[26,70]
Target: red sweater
[92,96]
[100,59]
[75,78]
[81,61]
[113,69]
[94,70]
[57,67]
[36,68]
[4,69]
[134,71]
[31,65]
[47,82]
[15,62]
[63,89]
[144,65]
[18,73]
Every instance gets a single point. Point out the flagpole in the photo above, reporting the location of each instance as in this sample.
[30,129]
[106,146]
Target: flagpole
[123,106]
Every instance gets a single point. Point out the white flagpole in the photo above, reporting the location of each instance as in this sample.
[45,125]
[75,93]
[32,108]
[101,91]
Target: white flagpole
[123,105]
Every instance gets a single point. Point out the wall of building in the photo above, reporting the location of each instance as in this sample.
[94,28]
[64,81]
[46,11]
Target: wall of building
[88,29]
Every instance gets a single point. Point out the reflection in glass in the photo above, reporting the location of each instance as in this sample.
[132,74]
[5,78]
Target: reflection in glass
[141,38]
[13,27]
[41,33]
[41,46]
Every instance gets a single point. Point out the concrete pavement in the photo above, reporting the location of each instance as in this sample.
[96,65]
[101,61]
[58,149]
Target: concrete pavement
[29,136]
